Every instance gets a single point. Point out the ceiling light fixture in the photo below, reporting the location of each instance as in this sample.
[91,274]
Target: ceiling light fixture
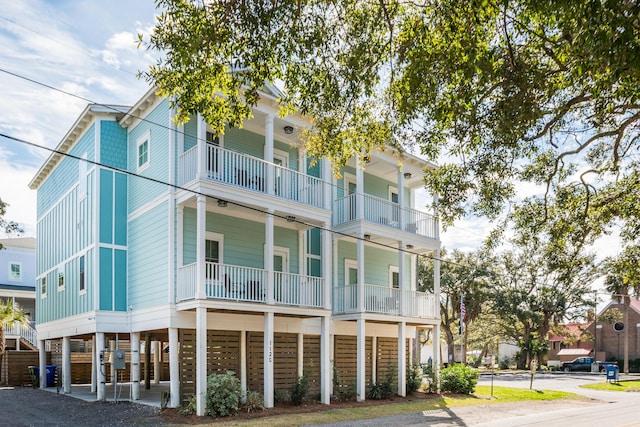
[222,203]
[288,130]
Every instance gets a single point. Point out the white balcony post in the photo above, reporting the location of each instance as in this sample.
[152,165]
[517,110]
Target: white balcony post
[300,355]
[326,244]
[401,278]
[360,360]
[360,273]
[202,147]
[174,368]
[201,224]
[201,360]
[42,362]
[156,361]
[401,201]
[268,153]
[243,363]
[436,298]
[66,365]
[374,359]
[327,179]
[134,367]
[100,366]
[268,255]
[325,360]
[94,368]
[402,361]
[359,189]
[268,360]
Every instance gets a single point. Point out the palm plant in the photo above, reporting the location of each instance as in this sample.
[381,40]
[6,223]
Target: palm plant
[10,314]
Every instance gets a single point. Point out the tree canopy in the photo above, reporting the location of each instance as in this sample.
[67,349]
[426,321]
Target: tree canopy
[8,227]
[498,93]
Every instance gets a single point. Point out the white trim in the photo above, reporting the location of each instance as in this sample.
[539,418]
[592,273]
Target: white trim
[280,155]
[394,269]
[148,206]
[346,179]
[284,253]
[393,189]
[144,138]
[349,263]
[60,272]
[82,291]
[43,295]
[216,237]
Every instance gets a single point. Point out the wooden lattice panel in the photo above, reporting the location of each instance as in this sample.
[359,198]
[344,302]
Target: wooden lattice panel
[345,360]
[187,338]
[285,360]
[255,361]
[311,363]
[223,352]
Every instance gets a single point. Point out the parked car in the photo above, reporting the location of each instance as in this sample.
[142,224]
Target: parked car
[584,364]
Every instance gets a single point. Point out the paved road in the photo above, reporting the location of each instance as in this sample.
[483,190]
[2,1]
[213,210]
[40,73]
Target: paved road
[610,409]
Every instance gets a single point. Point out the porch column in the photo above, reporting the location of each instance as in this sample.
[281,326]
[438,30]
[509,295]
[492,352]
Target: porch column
[94,358]
[268,359]
[359,188]
[436,333]
[174,368]
[402,286]
[157,355]
[202,147]
[402,361]
[268,255]
[201,229]
[100,366]
[360,273]
[66,365]
[201,360]
[360,361]
[325,236]
[374,359]
[325,360]
[300,354]
[268,153]
[243,363]
[401,201]
[42,361]
[327,178]
[134,366]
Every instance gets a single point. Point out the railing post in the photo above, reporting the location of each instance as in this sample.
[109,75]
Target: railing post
[202,147]
[268,154]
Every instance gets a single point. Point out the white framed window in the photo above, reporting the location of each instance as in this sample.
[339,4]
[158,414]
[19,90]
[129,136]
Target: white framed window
[281,259]
[394,277]
[81,275]
[350,272]
[61,279]
[43,287]
[213,250]
[143,151]
[15,271]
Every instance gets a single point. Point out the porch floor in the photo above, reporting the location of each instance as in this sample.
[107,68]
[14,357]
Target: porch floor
[150,397]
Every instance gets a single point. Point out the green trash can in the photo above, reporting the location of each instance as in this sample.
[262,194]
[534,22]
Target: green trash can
[34,373]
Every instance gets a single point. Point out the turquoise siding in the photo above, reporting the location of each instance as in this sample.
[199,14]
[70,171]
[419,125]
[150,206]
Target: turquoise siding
[376,265]
[148,260]
[244,141]
[106,279]
[113,144]
[113,207]
[142,191]
[106,206]
[113,279]
[243,240]
[373,185]
[191,133]
[65,175]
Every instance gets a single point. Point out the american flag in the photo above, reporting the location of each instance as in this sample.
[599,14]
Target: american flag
[463,310]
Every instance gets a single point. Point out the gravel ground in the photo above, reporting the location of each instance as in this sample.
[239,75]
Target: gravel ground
[22,406]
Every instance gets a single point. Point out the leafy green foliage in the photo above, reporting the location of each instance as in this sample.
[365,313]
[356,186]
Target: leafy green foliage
[458,378]
[414,378]
[8,227]
[223,394]
[299,390]
[253,402]
[190,407]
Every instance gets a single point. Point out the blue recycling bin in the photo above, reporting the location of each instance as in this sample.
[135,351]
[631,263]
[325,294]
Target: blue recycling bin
[612,373]
[51,375]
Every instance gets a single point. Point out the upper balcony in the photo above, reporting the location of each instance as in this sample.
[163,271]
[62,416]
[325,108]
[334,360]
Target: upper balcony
[384,300]
[253,174]
[383,212]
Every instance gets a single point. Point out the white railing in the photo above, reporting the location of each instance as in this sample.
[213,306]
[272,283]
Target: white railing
[296,186]
[384,300]
[187,281]
[384,212]
[298,290]
[232,282]
[188,166]
[24,331]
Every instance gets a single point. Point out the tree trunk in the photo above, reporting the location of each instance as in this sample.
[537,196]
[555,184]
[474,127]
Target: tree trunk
[450,345]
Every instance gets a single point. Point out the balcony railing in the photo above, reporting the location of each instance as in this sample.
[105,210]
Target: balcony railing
[24,331]
[384,300]
[251,173]
[245,284]
[384,212]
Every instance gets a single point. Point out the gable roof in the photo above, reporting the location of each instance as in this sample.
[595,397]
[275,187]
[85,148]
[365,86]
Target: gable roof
[634,303]
[574,329]
[19,242]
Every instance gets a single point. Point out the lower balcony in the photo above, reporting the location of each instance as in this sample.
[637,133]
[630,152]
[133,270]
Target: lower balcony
[384,300]
[245,284]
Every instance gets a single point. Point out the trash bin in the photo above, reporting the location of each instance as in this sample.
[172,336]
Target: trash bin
[51,375]
[612,373]
[34,373]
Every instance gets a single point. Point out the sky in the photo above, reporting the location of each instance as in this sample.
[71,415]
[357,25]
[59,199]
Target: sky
[89,48]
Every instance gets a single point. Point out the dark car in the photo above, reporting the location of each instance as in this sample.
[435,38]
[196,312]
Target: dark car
[584,364]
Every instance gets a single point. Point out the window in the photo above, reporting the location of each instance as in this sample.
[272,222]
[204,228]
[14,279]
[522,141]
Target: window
[60,279]
[82,283]
[213,255]
[394,277]
[143,152]
[43,287]
[15,271]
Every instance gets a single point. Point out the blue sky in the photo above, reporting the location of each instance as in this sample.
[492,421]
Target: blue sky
[88,48]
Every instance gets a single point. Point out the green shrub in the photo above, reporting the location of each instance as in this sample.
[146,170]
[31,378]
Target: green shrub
[384,388]
[299,390]
[281,396]
[253,402]
[189,408]
[223,394]
[458,379]
[432,383]
[504,363]
[414,378]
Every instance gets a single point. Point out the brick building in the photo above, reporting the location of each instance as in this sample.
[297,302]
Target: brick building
[610,335]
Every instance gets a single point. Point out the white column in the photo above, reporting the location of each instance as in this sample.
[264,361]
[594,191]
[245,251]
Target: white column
[401,201]
[268,255]
[112,355]
[94,366]
[66,365]
[101,366]
[18,345]
[359,189]
[402,361]
[402,278]
[134,366]
[436,333]
[201,230]
[360,274]
[202,147]
[201,360]
[42,361]
[300,354]
[174,368]
[243,363]
[360,361]
[268,152]
[157,353]
[325,360]
[325,236]
[327,178]
[374,359]
[268,360]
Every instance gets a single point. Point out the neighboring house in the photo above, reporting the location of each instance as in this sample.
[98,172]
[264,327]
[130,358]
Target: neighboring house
[18,286]
[610,336]
[255,259]
[574,341]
